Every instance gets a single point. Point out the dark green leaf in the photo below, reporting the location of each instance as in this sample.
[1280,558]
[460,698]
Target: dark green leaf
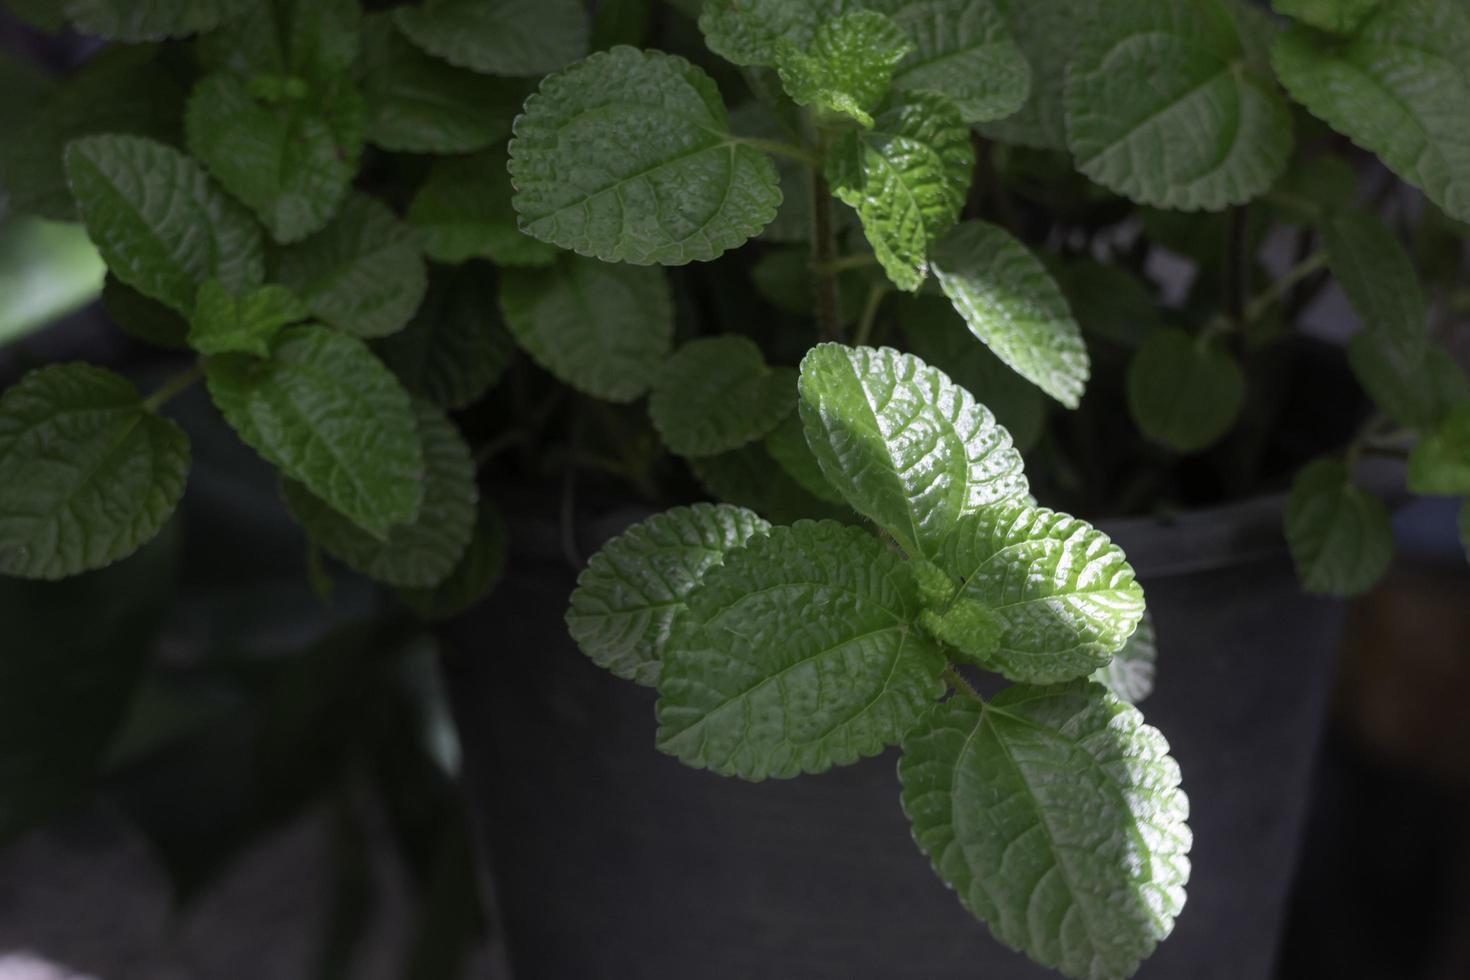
[473,578]
[717,394]
[1440,464]
[1416,396]
[1376,273]
[499,37]
[1339,535]
[226,322]
[150,20]
[1183,391]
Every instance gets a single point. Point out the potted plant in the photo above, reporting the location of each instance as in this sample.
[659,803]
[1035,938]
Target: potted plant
[818,321]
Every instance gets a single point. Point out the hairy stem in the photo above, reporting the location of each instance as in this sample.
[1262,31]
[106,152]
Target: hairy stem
[788,150]
[824,252]
[174,386]
[957,681]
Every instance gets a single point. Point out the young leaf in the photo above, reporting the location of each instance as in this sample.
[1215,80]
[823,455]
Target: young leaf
[1064,594]
[456,347]
[848,67]
[160,224]
[463,211]
[750,32]
[1056,815]
[787,446]
[903,444]
[1164,106]
[906,178]
[1130,674]
[473,578]
[629,593]
[1378,277]
[1336,16]
[331,416]
[499,37]
[1184,393]
[1418,396]
[88,473]
[150,20]
[1396,87]
[717,394]
[1045,31]
[796,654]
[603,329]
[363,273]
[419,554]
[1339,535]
[1440,464]
[228,322]
[628,156]
[1011,302]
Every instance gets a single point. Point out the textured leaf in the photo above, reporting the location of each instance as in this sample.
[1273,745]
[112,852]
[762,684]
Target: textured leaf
[1130,674]
[88,474]
[750,477]
[159,223]
[796,654]
[848,67]
[628,156]
[629,593]
[142,318]
[787,446]
[363,273]
[150,20]
[1064,593]
[419,554]
[312,40]
[1440,463]
[499,37]
[906,178]
[1046,32]
[463,211]
[903,444]
[1184,393]
[456,346]
[1339,535]
[1337,16]
[750,32]
[331,416]
[226,322]
[1011,302]
[1397,87]
[1056,815]
[1378,277]
[603,329]
[1164,107]
[717,394]
[1417,396]
[473,578]
[418,104]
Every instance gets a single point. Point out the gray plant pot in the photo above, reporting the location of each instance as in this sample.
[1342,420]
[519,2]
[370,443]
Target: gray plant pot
[615,862]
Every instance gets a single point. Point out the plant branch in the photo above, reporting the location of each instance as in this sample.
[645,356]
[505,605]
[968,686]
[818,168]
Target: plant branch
[1262,302]
[957,681]
[173,386]
[824,252]
[864,333]
[788,150]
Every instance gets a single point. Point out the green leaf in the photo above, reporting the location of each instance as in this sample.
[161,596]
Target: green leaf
[717,394]
[473,578]
[628,156]
[903,444]
[1130,674]
[1339,535]
[783,277]
[311,40]
[363,273]
[1418,396]
[331,416]
[1313,188]
[1010,302]
[787,446]
[907,178]
[499,37]
[750,477]
[292,162]
[142,318]
[456,347]
[88,473]
[1183,392]
[1111,303]
[160,224]
[228,322]
[1046,33]
[963,49]
[150,20]
[1397,87]
[1164,106]
[1336,16]
[1063,592]
[1056,815]
[415,555]
[630,592]
[1378,276]
[848,66]
[603,329]
[1440,463]
[750,32]
[419,104]
[796,654]
[463,211]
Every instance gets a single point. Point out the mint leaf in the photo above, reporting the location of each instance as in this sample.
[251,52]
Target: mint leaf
[1440,463]
[331,416]
[796,654]
[1339,535]
[903,444]
[142,318]
[1129,676]
[1378,277]
[628,595]
[906,178]
[363,273]
[227,322]
[1336,16]
[311,40]
[463,211]
[1396,87]
[1164,107]
[848,66]
[628,156]
[456,347]
[1011,302]
[750,477]
[1417,395]
[717,394]
[159,223]
[603,329]
[750,32]
[473,578]
[150,20]
[88,473]
[1064,594]
[1183,392]
[425,551]
[1046,32]
[996,794]
[787,445]
[499,37]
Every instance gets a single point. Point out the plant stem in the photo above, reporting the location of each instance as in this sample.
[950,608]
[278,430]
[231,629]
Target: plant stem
[957,681]
[876,292]
[1268,297]
[824,252]
[788,150]
[843,263]
[174,386]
